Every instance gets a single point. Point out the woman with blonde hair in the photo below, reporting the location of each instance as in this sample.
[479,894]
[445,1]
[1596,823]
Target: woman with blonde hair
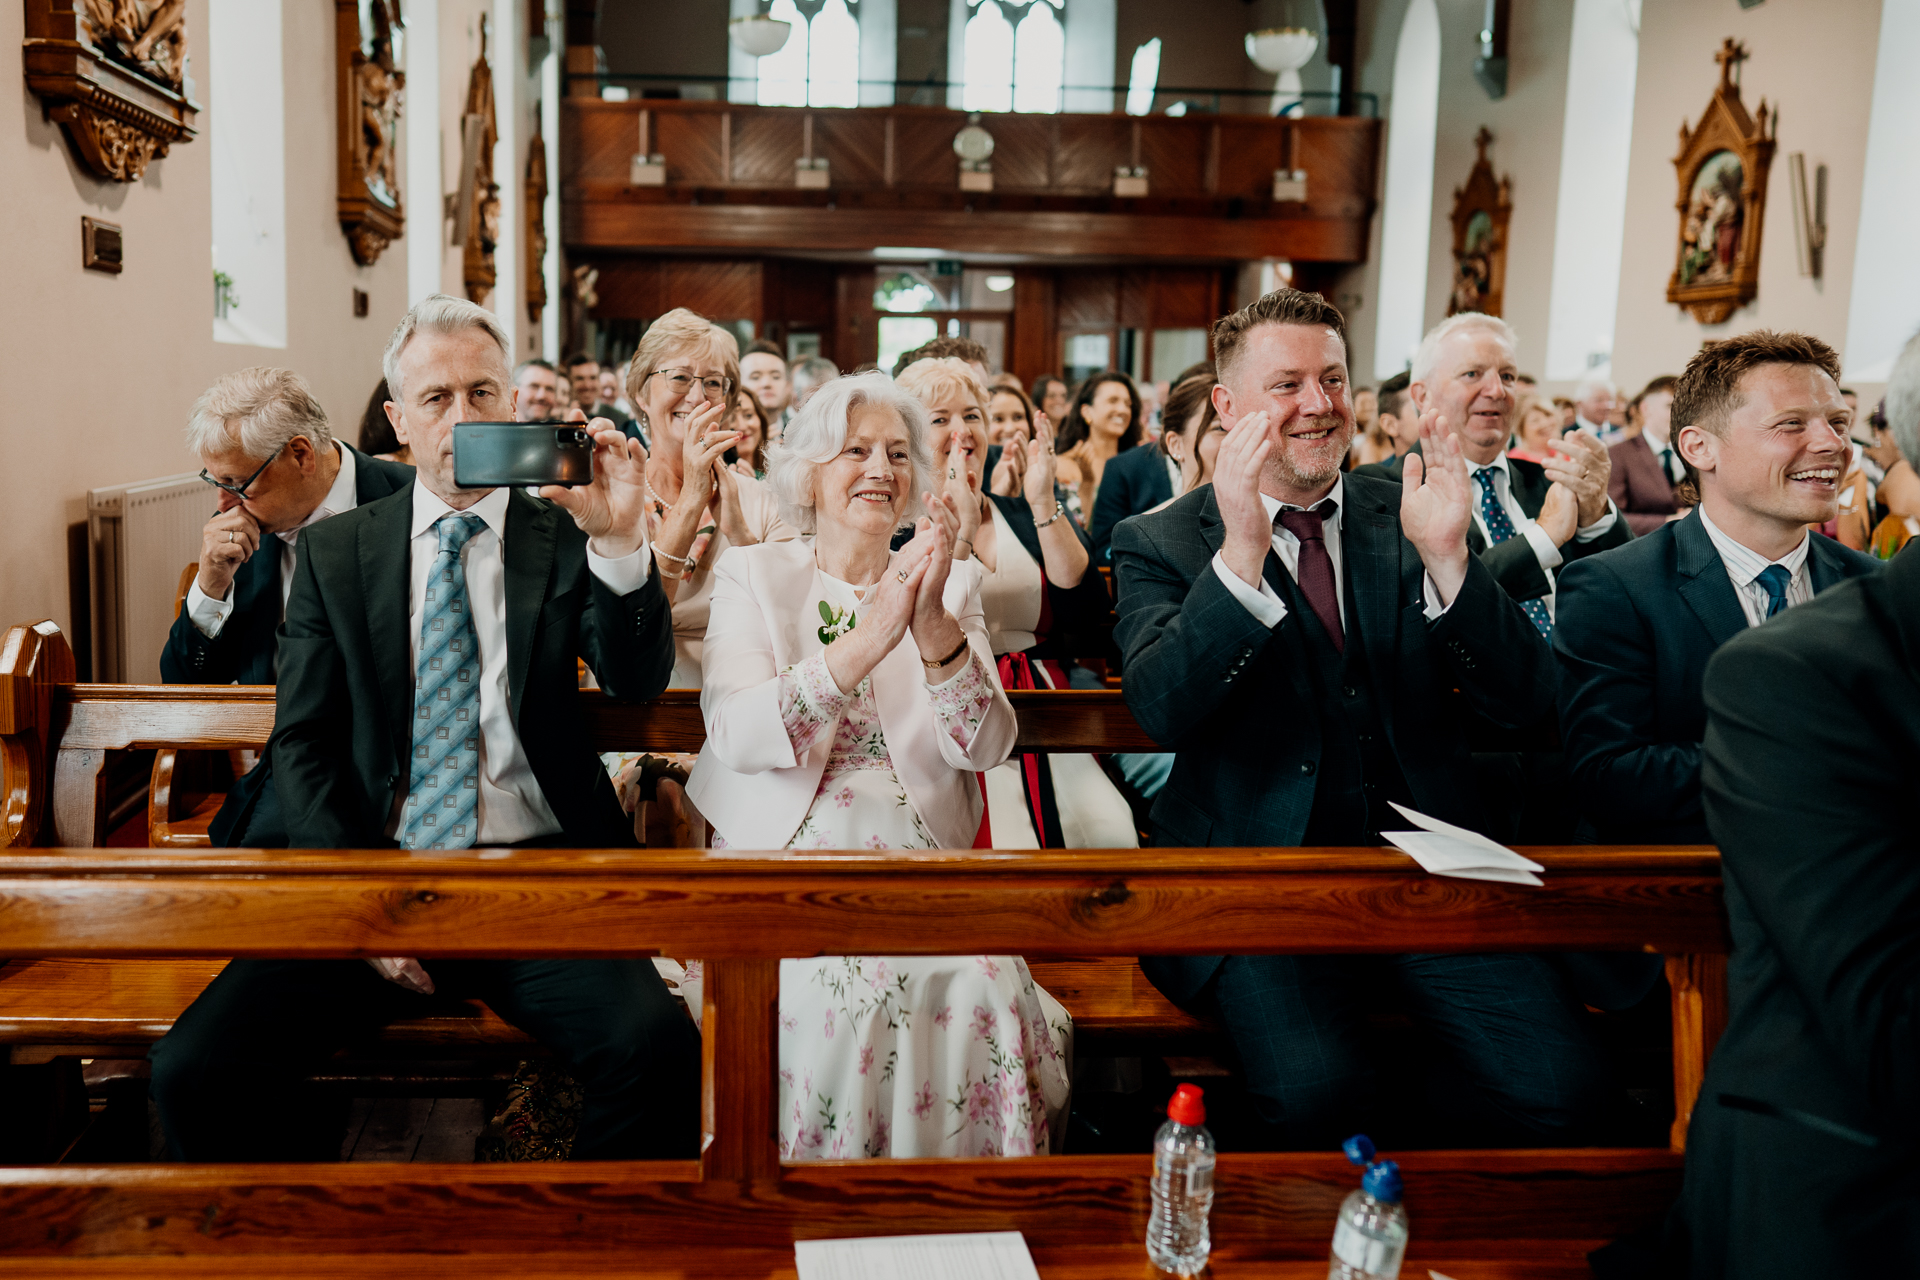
[850,703]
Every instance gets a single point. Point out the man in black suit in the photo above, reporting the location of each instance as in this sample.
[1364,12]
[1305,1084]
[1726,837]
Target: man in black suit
[265,445]
[428,696]
[1309,644]
[1137,480]
[1764,437]
[1800,1153]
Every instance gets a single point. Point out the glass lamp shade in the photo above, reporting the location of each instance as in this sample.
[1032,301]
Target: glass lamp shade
[759,35]
[1285,48]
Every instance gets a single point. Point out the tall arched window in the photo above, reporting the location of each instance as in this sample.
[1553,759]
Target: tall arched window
[1014,65]
[833,57]
[783,74]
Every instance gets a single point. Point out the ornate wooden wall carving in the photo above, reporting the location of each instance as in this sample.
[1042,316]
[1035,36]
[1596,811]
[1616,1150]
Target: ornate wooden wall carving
[369,91]
[1481,210]
[536,200]
[112,76]
[478,191]
[1722,165]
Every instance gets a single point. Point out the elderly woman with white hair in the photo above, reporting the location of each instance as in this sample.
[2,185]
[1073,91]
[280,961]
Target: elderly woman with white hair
[850,703]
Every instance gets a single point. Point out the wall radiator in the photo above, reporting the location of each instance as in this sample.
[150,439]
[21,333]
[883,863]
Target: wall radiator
[140,537]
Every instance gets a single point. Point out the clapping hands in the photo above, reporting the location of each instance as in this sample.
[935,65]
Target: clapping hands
[1436,504]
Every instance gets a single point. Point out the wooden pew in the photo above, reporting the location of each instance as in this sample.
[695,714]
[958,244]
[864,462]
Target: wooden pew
[737,1209]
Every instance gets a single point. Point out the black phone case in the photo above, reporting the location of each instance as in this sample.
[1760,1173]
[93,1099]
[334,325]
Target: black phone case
[496,454]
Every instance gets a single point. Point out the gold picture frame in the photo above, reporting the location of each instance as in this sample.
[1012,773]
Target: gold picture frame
[1722,167]
[1481,211]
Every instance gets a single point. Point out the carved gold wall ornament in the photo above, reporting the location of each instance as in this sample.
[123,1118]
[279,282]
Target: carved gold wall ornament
[1722,166]
[369,92]
[1481,211]
[536,198]
[476,213]
[112,74]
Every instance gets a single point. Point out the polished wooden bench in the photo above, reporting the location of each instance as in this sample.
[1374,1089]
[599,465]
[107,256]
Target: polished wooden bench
[737,1209]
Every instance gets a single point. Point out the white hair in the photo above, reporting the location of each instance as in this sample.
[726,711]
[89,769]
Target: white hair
[440,313]
[819,432]
[1429,349]
[260,410]
[1589,385]
[1903,400]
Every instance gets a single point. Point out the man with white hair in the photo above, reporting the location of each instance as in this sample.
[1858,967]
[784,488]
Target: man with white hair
[1593,404]
[536,385]
[1800,1149]
[428,698]
[809,375]
[1528,518]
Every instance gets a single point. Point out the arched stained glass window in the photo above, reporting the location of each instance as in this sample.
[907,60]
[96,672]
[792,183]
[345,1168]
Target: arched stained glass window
[989,59]
[833,57]
[1039,60]
[783,74]
[1015,56]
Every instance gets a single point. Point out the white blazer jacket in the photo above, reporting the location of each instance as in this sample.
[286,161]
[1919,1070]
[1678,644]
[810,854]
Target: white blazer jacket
[765,618]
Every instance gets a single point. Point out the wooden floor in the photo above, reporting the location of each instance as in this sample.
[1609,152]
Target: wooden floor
[414,1130]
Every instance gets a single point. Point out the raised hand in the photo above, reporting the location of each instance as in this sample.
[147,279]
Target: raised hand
[1559,514]
[1236,489]
[228,541]
[1040,468]
[962,488]
[705,443]
[1010,473]
[610,510]
[854,654]
[1582,464]
[403,971]
[935,630]
[1436,504]
[731,519]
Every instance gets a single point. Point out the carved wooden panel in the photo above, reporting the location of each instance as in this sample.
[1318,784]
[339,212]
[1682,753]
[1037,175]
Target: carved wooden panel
[112,81]
[923,150]
[855,145]
[600,145]
[1185,297]
[765,145]
[477,217]
[1088,300]
[1341,162]
[1249,152]
[1022,152]
[1722,166]
[694,145]
[535,197]
[1174,150]
[368,92]
[1089,149]
[1481,210]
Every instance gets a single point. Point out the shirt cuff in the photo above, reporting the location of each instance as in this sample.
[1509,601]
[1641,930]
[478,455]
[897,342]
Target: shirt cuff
[1600,526]
[1263,604]
[209,616]
[1543,549]
[1430,598]
[625,575]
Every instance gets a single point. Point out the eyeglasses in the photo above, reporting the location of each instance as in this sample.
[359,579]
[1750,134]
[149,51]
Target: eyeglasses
[683,382]
[240,490]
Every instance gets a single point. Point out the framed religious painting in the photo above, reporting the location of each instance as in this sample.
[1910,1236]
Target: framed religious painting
[366,38]
[1722,168]
[1481,210]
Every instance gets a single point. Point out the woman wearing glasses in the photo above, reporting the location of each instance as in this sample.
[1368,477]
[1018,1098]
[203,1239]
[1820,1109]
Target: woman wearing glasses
[681,382]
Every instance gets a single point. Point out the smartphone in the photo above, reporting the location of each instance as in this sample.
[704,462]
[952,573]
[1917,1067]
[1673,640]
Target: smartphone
[490,455]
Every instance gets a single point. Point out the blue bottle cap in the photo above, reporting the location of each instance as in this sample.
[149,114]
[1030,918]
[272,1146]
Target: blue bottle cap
[1359,1149]
[1382,1182]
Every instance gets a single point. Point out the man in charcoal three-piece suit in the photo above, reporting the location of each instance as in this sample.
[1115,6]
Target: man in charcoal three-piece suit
[428,696]
[1309,645]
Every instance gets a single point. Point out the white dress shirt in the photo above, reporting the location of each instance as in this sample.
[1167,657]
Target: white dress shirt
[512,806]
[211,615]
[1744,566]
[1265,604]
[1676,469]
[1524,525]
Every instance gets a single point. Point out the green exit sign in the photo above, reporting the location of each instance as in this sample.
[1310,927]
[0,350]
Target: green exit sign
[947,267]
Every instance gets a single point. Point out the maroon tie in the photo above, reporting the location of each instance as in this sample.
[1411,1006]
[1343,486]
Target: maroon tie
[1315,574]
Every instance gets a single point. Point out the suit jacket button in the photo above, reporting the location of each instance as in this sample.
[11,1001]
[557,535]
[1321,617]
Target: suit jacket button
[1308,767]
[1348,691]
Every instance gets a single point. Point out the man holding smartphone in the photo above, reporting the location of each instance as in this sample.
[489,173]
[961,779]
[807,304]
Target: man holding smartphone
[428,698]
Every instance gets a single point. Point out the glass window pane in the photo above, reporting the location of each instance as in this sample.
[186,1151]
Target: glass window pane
[1144,78]
[1039,60]
[783,75]
[989,56]
[1176,349]
[901,334]
[833,65]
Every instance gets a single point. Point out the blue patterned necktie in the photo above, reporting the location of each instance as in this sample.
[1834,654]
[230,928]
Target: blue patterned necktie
[1773,580]
[443,792]
[1499,529]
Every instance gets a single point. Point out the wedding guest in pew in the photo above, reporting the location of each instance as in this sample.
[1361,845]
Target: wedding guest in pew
[1037,586]
[851,703]
[265,446]
[376,432]
[1308,643]
[1800,1153]
[1104,450]
[1763,436]
[428,698]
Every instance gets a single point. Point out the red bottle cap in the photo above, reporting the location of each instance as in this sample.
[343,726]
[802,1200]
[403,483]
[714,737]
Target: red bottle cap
[1186,1107]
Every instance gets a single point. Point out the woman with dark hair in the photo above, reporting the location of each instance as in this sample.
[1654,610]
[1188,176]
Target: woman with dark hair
[1192,434]
[376,431]
[1050,395]
[749,421]
[1103,422]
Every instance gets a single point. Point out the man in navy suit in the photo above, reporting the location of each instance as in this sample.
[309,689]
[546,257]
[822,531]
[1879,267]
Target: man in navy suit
[1135,481]
[1310,644]
[1763,435]
[265,446]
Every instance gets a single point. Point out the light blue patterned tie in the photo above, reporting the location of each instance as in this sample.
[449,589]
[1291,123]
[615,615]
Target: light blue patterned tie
[1499,529]
[443,792]
[1773,580]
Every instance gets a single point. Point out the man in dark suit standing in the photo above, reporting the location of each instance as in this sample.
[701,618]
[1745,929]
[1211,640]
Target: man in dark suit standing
[428,697]
[265,445]
[1764,436]
[1138,480]
[1309,644]
[1647,466]
[1800,1153]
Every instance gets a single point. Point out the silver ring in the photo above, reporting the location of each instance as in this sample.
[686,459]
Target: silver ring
[229,535]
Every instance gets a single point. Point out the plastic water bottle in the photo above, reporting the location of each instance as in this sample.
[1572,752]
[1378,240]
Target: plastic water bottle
[1177,1239]
[1370,1236]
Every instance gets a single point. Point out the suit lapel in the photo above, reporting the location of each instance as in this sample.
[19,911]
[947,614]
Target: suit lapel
[528,558]
[1529,483]
[384,564]
[1704,584]
[1370,550]
[1823,564]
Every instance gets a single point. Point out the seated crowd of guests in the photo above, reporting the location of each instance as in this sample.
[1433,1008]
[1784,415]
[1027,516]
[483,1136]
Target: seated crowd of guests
[1329,601]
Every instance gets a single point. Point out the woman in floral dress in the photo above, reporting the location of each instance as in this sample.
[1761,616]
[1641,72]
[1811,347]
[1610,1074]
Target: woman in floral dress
[851,703]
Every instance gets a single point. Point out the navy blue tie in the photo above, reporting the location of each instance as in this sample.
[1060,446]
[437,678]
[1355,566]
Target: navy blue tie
[1499,529]
[1773,580]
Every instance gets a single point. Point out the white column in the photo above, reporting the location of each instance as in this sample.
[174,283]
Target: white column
[1406,213]
[957,15]
[879,50]
[1090,26]
[1884,309]
[1590,222]
[550,90]
[426,233]
[506,52]
[743,69]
